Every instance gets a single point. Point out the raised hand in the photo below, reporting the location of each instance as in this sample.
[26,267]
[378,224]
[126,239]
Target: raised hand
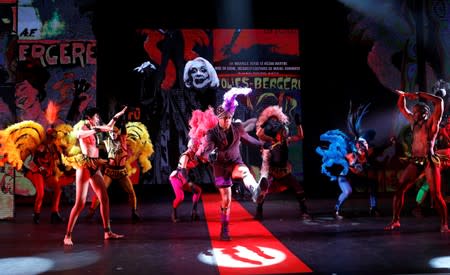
[81,86]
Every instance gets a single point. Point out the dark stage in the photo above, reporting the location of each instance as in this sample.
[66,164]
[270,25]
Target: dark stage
[283,244]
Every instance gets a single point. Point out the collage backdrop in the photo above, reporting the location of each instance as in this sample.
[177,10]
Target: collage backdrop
[265,60]
[47,48]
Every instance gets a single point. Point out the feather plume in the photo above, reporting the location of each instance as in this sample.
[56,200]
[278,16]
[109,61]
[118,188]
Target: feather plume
[199,124]
[229,98]
[18,141]
[140,145]
[354,119]
[51,113]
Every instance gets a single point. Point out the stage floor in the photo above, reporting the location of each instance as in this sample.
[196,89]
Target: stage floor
[355,245]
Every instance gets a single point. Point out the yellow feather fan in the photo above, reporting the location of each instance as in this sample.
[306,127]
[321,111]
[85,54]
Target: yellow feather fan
[140,145]
[65,140]
[18,141]
[68,141]
[65,143]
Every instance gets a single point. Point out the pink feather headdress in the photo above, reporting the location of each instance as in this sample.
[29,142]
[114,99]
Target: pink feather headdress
[200,123]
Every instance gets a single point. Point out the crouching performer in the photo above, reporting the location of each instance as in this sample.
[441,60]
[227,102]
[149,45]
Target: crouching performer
[181,179]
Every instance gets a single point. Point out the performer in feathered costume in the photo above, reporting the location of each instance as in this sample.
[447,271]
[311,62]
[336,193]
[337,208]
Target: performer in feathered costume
[222,150]
[181,179]
[345,158]
[125,144]
[88,170]
[17,142]
[272,127]
[43,169]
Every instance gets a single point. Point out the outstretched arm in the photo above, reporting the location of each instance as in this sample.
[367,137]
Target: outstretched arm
[299,136]
[116,117]
[401,104]
[248,139]
[85,131]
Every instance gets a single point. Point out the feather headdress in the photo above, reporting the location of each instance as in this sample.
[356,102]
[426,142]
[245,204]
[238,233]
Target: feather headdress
[199,124]
[354,120]
[230,103]
[271,111]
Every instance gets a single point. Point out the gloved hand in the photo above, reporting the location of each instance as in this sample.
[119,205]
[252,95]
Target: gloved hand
[212,157]
[81,86]
[297,119]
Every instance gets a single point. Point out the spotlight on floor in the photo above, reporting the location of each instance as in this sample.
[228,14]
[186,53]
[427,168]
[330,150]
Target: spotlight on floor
[242,256]
[25,265]
[72,260]
[440,262]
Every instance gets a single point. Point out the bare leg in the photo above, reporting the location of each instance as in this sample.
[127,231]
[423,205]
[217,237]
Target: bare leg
[99,188]
[81,185]
[127,185]
[409,176]
[95,201]
[242,172]
[433,176]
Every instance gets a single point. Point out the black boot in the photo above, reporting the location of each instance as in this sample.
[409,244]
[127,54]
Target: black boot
[194,215]
[134,216]
[259,212]
[36,217]
[56,218]
[304,213]
[174,216]
[302,205]
[224,232]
